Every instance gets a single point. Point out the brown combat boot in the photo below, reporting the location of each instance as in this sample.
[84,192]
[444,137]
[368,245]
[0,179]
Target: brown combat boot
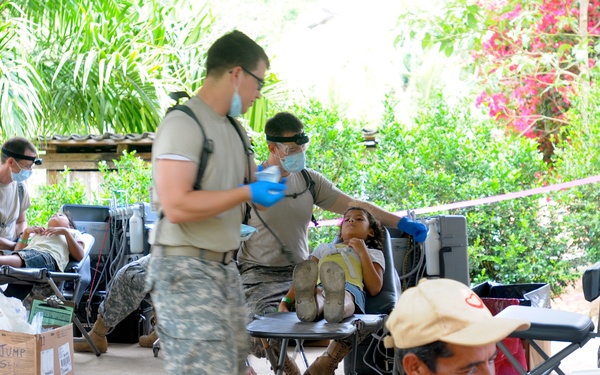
[328,362]
[148,340]
[289,365]
[98,336]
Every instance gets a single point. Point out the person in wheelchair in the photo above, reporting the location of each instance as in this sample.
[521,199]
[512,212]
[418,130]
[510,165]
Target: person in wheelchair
[50,247]
[442,327]
[332,281]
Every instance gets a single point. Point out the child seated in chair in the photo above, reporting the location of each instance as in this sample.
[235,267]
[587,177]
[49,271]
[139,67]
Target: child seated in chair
[50,247]
[332,281]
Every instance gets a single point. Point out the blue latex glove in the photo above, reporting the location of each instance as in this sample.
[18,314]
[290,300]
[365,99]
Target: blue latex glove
[266,193]
[414,228]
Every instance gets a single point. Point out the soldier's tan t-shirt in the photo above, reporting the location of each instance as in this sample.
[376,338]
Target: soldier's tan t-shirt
[180,135]
[11,208]
[289,220]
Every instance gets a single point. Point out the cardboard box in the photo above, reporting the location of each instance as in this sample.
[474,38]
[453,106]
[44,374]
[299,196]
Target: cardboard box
[47,353]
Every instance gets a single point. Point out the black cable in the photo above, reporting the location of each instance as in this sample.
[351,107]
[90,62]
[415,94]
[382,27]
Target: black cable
[284,249]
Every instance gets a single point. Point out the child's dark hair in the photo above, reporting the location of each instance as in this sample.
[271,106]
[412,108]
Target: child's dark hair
[375,242]
[70,218]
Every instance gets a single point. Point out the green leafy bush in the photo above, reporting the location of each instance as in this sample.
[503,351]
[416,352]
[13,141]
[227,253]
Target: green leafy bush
[51,197]
[578,156]
[129,183]
[451,155]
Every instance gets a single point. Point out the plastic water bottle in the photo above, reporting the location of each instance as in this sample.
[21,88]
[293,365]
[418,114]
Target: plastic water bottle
[432,247]
[136,232]
[272,174]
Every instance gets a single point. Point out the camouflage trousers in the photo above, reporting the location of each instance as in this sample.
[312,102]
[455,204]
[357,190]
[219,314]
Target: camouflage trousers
[126,291]
[200,307]
[264,287]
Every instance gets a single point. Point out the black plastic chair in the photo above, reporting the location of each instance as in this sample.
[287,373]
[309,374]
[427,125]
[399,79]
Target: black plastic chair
[554,325]
[68,286]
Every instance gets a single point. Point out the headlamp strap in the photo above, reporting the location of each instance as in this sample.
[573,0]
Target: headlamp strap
[34,159]
[298,139]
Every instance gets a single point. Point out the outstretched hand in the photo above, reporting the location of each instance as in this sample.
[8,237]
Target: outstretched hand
[414,228]
[266,193]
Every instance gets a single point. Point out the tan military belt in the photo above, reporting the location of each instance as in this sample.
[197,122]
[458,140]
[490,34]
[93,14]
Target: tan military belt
[190,251]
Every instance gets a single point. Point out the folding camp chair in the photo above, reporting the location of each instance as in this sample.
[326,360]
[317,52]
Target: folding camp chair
[553,325]
[68,286]
[287,326]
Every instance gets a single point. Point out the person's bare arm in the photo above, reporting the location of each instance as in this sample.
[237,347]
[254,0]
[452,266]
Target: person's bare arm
[25,237]
[20,226]
[21,223]
[181,203]
[386,218]
[6,244]
[372,272]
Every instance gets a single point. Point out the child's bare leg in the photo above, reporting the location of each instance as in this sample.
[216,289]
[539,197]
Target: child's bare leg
[349,307]
[11,260]
[320,302]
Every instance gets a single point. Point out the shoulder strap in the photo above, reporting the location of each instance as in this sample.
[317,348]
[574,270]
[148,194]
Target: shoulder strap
[247,148]
[207,147]
[310,183]
[21,191]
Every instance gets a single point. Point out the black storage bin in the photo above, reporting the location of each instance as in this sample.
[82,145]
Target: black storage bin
[497,297]
[533,294]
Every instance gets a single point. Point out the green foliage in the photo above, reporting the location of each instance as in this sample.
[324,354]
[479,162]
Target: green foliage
[448,156]
[452,26]
[578,156]
[129,183]
[51,197]
[97,66]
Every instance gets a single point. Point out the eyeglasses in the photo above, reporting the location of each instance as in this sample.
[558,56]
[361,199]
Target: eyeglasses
[261,82]
[30,168]
[292,149]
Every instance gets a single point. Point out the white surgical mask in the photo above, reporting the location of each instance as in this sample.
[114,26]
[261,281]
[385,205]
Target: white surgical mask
[235,109]
[294,163]
[23,174]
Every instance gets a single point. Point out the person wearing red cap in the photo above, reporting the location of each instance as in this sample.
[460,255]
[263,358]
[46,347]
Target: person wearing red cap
[442,327]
